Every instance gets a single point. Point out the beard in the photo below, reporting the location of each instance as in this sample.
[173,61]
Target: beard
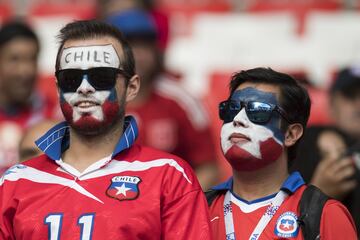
[88,125]
[242,160]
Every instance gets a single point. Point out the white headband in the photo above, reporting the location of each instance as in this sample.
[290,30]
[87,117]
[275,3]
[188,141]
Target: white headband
[85,57]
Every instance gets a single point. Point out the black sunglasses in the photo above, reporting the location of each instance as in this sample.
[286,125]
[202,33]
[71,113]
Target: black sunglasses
[257,112]
[101,78]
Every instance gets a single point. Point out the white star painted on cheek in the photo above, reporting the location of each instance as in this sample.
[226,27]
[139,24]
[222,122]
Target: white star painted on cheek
[122,190]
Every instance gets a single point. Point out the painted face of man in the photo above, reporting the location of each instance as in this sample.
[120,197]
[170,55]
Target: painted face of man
[247,145]
[87,82]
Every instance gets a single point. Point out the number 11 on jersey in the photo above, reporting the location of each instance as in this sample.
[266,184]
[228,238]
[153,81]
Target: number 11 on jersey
[54,222]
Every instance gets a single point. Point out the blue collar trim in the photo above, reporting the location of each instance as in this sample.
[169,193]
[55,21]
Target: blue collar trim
[291,184]
[253,201]
[55,141]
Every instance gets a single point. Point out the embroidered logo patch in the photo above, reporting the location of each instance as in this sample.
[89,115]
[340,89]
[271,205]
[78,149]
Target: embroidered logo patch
[124,188]
[286,225]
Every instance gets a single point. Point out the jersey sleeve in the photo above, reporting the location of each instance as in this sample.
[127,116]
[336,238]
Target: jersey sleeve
[184,211]
[6,215]
[186,218]
[336,222]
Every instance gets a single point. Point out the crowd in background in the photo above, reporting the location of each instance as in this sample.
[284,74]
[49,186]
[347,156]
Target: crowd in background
[169,118]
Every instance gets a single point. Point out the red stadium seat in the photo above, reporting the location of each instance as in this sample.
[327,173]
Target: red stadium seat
[195,5]
[299,8]
[319,114]
[77,11]
[5,12]
[182,12]
[295,5]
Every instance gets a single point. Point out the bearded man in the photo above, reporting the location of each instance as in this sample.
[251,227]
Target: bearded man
[93,182]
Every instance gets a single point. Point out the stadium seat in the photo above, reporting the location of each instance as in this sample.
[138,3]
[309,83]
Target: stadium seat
[182,12]
[76,10]
[319,114]
[299,8]
[5,12]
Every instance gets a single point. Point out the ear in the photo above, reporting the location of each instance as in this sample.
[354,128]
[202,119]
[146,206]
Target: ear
[293,134]
[132,88]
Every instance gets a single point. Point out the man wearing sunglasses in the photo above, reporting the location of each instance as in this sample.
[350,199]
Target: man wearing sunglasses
[263,120]
[93,182]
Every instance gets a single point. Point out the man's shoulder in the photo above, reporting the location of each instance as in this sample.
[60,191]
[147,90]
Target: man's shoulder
[29,169]
[336,221]
[37,160]
[40,162]
[160,165]
[145,153]
[333,205]
[213,196]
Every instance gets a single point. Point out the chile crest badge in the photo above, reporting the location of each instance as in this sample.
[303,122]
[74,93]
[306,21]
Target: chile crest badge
[124,188]
[287,225]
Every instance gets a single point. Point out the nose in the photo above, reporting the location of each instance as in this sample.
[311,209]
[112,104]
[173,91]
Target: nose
[241,119]
[85,87]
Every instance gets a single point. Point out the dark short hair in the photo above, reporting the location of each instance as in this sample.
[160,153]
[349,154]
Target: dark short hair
[347,82]
[16,29]
[90,29]
[293,98]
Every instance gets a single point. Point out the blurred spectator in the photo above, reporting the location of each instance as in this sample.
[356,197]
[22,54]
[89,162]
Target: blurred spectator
[27,147]
[112,7]
[109,7]
[345,101]
[169,119]
[20,104]
[319,155]
[326,159]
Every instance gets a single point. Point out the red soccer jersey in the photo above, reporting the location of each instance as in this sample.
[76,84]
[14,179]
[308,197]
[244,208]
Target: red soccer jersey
[336,222]
[141,193]
[172,121]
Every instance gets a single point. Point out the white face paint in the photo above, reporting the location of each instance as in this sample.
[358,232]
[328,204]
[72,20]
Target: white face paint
[90,104]
[248,138]
[86,99]
[85,57]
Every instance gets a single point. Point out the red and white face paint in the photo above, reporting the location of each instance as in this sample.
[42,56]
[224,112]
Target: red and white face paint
[250,146]
[87,109]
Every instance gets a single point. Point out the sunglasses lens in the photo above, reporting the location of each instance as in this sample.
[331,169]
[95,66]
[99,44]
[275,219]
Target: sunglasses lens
[102,78]
[228,110]
[258,112]
[69,79]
